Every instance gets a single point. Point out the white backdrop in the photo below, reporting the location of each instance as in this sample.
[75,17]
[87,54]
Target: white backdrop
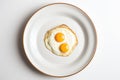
[104,13]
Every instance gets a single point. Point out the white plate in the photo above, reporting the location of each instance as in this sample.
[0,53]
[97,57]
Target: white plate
[48,17]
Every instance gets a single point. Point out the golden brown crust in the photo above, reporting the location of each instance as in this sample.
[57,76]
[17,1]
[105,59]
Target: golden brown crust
[48,33]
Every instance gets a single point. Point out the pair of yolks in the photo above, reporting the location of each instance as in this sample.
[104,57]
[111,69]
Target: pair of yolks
[64,47]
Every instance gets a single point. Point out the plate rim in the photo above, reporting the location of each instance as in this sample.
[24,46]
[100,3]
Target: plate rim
[94,29]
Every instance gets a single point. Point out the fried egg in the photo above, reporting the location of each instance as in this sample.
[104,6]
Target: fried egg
[61,40]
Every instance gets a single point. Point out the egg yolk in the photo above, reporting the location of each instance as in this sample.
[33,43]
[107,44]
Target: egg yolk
[64,47]
[59,37]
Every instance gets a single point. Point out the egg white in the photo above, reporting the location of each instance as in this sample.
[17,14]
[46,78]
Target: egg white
[53,45]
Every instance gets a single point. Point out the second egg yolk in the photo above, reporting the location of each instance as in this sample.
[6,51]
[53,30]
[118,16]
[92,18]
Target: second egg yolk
[64,47]
[59,37]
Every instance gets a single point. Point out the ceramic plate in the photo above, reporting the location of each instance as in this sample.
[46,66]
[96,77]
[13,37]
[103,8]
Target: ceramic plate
[49,17]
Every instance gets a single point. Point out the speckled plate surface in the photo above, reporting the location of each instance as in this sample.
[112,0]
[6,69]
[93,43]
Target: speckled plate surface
[48,17]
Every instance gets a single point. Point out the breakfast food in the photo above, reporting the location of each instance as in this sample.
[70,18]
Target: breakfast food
[61,40]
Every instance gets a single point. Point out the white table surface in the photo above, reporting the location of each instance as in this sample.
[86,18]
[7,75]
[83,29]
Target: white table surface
[13,17]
